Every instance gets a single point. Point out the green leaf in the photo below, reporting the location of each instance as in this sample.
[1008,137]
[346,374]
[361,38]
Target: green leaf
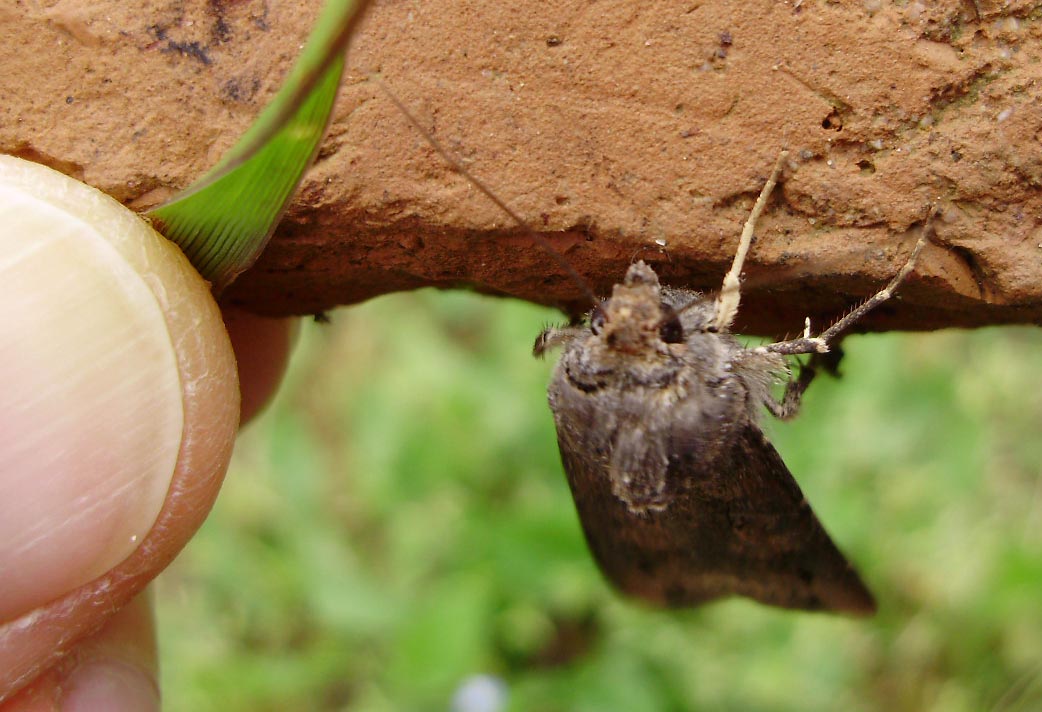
[223,221]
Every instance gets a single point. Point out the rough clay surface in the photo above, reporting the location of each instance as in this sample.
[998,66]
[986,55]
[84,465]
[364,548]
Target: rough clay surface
[617,129]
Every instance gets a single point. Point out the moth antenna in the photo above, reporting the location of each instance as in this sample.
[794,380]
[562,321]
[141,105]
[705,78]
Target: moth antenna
[730,292]
[459,168]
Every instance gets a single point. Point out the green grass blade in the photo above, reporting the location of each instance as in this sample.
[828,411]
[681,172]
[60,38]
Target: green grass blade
[223,221]
[223,226]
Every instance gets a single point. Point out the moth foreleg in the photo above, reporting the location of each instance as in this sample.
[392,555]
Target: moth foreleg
[554,336]
[820,344]
[788,406]
[883,294]
[795,347]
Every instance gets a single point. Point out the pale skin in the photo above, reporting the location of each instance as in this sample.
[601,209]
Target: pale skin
[116,667]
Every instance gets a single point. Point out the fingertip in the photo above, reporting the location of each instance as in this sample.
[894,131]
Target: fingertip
[112,686]
[114,670]
[116,518]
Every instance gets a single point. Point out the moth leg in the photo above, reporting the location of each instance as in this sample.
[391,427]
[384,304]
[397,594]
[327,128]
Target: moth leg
[820,344]
[883,294]
[554,336]
[788,406]
[730,292]
[795,347]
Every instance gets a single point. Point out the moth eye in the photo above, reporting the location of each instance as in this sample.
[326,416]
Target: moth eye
[597,320]
[671,331]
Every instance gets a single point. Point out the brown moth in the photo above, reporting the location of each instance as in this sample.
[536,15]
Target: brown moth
[681,497]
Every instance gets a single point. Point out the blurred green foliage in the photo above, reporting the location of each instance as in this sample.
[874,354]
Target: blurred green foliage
[398,522]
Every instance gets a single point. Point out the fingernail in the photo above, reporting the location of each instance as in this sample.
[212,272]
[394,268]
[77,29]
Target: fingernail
[110,686]
[91,410]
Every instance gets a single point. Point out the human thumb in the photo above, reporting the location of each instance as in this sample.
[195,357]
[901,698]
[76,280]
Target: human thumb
[118,408]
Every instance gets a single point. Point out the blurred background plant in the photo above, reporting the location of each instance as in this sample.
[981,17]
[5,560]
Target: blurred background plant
[396,533]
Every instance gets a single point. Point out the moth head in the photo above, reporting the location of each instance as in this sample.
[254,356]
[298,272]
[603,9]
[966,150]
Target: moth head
[632,320]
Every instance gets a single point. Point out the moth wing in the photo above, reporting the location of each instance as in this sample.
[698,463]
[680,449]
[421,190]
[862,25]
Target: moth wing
[638,467]
[738,525]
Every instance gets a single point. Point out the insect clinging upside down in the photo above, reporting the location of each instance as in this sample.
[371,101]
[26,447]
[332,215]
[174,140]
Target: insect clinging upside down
[681,497]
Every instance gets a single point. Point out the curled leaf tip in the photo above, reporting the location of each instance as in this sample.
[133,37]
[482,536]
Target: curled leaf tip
[223,221]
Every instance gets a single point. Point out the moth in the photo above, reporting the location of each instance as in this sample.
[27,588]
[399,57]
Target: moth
[681,497]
